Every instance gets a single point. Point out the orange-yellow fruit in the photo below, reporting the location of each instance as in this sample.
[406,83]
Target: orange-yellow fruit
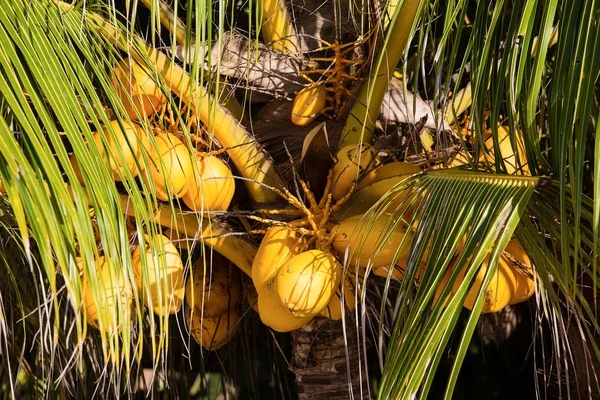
[390,170]
[307,281]
[525,287]
[381,180]
[308,104]
[164,277]
[367,242]
[274,314]
[352,160]
[333,310]
[170,166]
[138,92]
[502,288]
[214,290]
[507,152]
[499,292]
[128,140]
[213,333]
[525,284]
[212,188]
[277,246]
[115,300]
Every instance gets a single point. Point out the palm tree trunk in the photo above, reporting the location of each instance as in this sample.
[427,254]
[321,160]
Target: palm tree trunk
[320,360]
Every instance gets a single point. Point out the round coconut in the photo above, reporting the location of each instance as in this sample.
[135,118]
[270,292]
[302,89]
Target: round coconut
[138,92]
[161,282]
[212,188]
[307,281]
[170,166]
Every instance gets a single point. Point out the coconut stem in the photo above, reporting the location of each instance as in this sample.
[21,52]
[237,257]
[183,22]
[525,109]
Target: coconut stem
[277,29]
[214,234]
[365,110]
[177,28]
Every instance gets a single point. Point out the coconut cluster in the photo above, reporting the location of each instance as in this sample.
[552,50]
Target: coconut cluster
[294,284]
[213,294]
[298,277]
[167,166]
[508,151]
[169,169]
[512,282]
[297,272]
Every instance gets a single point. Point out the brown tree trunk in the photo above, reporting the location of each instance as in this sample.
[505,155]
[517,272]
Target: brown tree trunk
[321,355]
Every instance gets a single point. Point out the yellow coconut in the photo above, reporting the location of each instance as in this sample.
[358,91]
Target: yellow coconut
[333,310]
[212,188]
[138,92]
[114,298]
[507,151]
[164,276]
[525,287]
[502,288]
[308,104]
[2,188]
[128,139]
[213,333]
[274,314]
[362,239]
[390,170]
[214,289]
[382,179]
[307,281]
[170,166]
[277,246]
[499,292]
[351,162]
[519,261]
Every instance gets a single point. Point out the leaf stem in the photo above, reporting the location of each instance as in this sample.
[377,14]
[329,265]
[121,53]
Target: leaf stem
[365,110]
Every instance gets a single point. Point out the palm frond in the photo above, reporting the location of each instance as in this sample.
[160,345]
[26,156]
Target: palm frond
[482,209]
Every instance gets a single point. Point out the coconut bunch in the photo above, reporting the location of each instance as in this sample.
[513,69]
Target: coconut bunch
[169,168]
[510,147]
[309,267]
[513,281]
[295,284]
[298,271]
[213,294]
[159,279]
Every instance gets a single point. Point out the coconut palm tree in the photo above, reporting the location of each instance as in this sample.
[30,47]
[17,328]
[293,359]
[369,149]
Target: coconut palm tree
[494,106]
